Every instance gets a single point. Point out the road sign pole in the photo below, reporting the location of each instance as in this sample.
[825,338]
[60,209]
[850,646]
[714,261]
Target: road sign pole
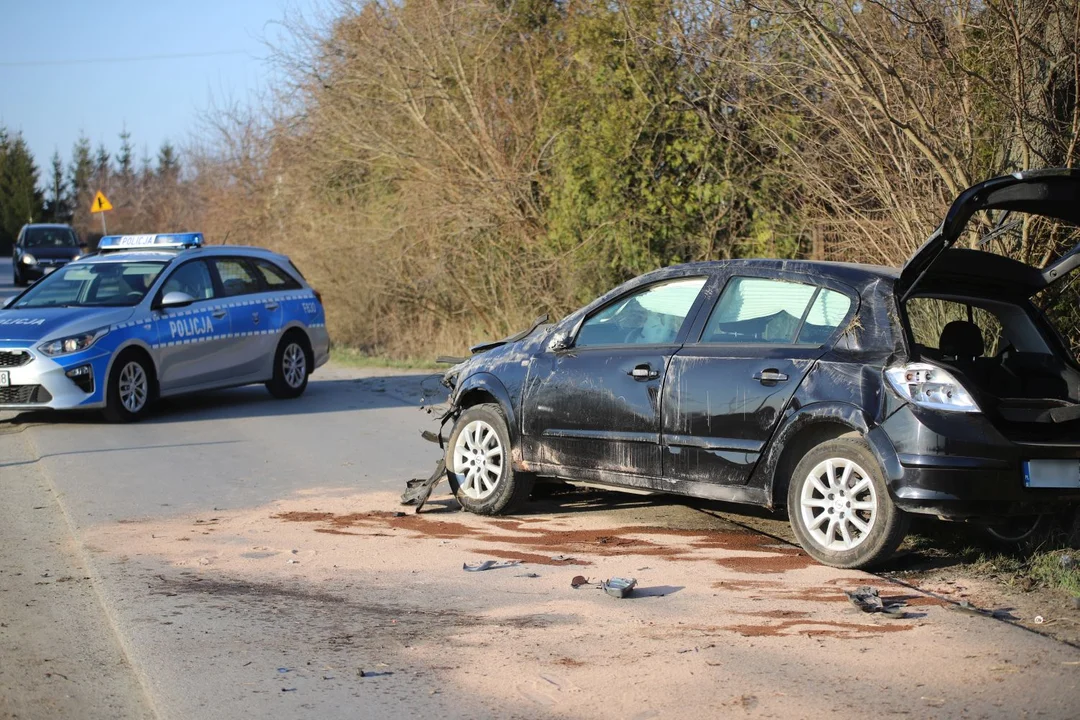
[104,230]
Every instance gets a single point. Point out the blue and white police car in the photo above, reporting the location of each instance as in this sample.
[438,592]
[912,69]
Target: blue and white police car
[150,316]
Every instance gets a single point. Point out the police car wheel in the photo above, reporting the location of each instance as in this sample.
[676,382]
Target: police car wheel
[130,389]
[292,366]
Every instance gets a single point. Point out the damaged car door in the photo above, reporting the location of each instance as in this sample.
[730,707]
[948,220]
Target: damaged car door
[727,387]
[592,402]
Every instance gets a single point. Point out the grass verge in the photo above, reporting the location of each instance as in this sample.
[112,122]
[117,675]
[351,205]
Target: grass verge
[354,358]
[1046,560]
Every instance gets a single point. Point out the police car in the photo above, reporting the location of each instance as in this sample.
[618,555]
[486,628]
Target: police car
[151,316]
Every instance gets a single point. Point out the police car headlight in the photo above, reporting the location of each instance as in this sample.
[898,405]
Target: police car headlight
[73,343]
[28,259]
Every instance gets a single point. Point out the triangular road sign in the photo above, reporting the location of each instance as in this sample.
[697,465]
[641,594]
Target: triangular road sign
[101,203]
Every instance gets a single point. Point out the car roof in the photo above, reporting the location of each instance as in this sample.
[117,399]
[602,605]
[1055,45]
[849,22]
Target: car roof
[58,226]
[850,273]
[166,255]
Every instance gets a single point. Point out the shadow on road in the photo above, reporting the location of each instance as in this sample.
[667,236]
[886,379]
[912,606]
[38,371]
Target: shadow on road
[322,396]
[114,450]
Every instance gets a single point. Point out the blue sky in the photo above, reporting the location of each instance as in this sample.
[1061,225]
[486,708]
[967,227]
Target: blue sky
[50,92]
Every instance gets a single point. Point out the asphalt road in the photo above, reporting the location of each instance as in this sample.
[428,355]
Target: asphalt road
[238,556]
[7,289]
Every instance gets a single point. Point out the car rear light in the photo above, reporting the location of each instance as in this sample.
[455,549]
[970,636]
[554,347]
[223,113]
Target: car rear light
[318,295]
[929,386]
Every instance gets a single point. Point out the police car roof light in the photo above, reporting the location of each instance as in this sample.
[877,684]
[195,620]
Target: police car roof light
[163,241]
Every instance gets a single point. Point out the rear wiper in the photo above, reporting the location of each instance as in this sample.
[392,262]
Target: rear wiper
[998,231]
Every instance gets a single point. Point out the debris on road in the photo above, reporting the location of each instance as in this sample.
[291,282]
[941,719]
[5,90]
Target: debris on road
[580,580]
[418,490]
[865,598]
[967,607]
[489,565]
[528,575]
[868,599]
[619,587]
[562,558]
[1039,620]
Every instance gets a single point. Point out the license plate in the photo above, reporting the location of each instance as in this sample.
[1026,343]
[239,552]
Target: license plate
[1052,474]
[5,378]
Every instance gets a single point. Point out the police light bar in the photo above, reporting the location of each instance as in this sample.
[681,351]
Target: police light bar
[167,241]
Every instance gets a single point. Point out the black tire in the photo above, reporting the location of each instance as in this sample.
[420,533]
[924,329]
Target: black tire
[484,488]
[874,528]
[16,277]
[286,384]
[121,394]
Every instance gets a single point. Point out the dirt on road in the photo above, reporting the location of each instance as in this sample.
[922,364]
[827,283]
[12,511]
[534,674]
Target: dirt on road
[723,620]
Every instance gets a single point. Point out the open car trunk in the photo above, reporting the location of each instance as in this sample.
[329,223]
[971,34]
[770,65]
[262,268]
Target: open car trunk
[978,304]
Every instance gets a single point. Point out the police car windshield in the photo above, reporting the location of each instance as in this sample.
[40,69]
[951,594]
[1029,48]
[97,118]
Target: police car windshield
[107,284]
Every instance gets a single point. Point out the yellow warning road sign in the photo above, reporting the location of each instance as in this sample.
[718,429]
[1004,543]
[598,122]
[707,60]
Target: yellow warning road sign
[101,203]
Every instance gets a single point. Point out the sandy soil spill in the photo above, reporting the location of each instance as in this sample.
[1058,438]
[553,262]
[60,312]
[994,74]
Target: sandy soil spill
[723,621]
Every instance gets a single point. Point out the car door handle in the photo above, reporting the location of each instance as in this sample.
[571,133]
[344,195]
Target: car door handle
[772,375]
[220,314]
[643,372]
[271,306]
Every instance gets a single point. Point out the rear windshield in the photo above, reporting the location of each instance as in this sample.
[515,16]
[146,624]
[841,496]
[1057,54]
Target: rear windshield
[50,238]
[929,316]
[111,284]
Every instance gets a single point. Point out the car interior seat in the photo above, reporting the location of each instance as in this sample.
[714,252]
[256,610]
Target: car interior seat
[961,345]
[962,341]
[234,286]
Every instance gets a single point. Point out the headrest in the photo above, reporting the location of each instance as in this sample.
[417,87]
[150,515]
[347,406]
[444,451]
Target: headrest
[962,339]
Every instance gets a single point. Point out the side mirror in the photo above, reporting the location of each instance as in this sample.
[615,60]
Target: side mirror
[561,341]
[176,299]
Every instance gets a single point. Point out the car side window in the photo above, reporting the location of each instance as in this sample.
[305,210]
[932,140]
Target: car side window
[236,277]
[192,278]
[828,311]
[650,316]
[275,277]
[761,310]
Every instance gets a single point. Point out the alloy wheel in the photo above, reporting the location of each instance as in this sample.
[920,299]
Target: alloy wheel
[479,458]
[838,504]
[134,387]
[294,365]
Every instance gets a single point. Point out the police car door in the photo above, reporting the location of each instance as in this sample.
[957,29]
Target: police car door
[193,341]
[253,317]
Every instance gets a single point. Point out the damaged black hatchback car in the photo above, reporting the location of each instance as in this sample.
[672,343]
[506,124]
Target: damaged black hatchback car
[851,394]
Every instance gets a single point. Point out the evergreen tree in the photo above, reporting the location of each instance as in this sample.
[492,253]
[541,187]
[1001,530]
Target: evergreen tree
[125,159]
[80,175]
[20,199]
[102,167]
[56,207]
[168,162]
